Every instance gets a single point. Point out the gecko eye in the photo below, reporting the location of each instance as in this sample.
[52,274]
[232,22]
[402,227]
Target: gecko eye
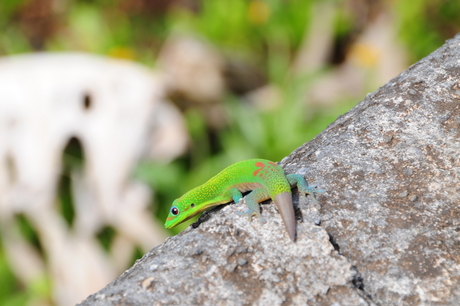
[174,210]
[192,205]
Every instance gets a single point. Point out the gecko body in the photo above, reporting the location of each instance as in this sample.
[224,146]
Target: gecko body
[265,179]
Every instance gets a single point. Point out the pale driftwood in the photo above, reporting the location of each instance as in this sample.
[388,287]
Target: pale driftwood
[386,232]
[117,110]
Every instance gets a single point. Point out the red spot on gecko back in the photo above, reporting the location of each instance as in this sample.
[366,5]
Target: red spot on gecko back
[261,165]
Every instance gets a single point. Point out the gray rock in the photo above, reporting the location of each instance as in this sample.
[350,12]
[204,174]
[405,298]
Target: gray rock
[388,235]
[406,248]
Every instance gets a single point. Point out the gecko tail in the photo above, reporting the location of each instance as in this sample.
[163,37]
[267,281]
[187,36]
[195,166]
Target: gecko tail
[286,209]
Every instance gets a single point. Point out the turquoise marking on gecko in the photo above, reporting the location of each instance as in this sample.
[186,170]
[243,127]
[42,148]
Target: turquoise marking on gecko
[265,178]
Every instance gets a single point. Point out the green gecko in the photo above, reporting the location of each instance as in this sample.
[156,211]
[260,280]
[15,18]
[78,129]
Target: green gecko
[265,179]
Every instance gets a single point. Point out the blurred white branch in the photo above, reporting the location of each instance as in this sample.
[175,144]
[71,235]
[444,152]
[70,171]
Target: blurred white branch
[117,111]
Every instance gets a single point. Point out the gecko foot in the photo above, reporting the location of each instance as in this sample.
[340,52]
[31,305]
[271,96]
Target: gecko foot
[251,211]
[311,190]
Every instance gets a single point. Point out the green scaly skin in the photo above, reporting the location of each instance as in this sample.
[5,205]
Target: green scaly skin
[265,178]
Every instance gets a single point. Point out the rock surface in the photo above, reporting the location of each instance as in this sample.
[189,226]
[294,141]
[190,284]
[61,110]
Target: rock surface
[386,232]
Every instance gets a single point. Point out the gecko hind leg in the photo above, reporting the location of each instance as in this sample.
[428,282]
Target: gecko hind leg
[252,200]
[303,187]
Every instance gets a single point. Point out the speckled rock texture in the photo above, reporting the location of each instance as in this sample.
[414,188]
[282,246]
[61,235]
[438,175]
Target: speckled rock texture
[386,231]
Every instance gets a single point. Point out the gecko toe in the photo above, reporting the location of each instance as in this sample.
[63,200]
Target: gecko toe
[312,190]
[250,213]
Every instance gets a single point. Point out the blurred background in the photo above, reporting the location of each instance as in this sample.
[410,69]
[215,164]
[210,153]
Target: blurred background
[163,94]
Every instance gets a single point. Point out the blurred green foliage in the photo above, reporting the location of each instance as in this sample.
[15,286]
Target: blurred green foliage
[426,24]
[12,292]
[267,33]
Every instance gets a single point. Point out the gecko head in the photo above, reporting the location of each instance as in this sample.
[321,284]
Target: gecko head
[181,210]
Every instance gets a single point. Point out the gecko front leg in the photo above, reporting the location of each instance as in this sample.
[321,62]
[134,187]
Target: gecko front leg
[303,187]
[252,201]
